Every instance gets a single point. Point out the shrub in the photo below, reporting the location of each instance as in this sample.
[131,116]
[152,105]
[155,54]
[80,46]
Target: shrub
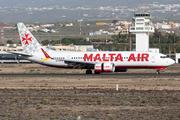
[26,89]
[16,99]
[7,115]
[11,108]
[144,101]
[31,70]
[39,107]
[52,117]
[126,96]
[133,104]
[27,100]
[44,101]
[10,89]
[37,89]
[75,92]
[138,98]
[100,99]
[66,113]
[122,102]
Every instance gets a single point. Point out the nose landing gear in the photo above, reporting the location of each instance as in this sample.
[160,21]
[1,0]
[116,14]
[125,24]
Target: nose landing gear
[157,72]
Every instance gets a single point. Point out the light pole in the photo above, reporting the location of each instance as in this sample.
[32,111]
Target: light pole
[60,39]
[174,44]
[159,42]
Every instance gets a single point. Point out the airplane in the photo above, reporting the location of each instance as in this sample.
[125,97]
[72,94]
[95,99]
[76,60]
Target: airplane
[101,61]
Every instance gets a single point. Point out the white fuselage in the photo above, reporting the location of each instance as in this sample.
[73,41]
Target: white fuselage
[130,59]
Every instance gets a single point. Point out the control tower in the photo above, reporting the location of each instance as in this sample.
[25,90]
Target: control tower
[142,26]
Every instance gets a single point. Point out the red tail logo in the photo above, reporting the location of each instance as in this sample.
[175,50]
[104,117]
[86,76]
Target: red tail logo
[46,55]
[26,39]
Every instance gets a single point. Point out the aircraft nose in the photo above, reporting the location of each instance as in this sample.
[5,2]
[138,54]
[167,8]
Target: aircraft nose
[171,61]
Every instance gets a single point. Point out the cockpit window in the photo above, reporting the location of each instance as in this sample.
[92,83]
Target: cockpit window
[164,56]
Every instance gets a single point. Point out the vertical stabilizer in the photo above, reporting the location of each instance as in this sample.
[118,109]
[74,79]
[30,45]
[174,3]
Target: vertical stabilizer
[29,43]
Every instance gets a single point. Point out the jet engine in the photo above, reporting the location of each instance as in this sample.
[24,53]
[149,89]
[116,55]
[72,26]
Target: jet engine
[104,67]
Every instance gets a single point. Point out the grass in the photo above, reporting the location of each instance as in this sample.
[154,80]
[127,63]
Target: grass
[16,99]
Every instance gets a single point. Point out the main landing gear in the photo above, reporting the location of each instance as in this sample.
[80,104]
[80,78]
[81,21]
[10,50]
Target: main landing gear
[89,71]
[157,72]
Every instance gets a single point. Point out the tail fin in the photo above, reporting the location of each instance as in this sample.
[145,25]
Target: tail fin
[46,55]
[29,43]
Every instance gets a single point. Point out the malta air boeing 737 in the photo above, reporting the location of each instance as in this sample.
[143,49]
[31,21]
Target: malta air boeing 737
[105,61]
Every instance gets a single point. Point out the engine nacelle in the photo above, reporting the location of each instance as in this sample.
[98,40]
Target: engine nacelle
[121,70]
[104,67]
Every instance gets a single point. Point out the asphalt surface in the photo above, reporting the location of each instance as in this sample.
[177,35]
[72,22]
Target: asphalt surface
[93,75]
[40,95]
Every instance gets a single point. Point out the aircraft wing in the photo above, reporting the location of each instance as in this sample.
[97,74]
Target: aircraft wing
[79,64]
[20,53]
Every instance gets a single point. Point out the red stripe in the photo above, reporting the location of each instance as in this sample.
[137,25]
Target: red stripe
[98,70]
[150,67]
[107,70]
[46,55]
[135,67]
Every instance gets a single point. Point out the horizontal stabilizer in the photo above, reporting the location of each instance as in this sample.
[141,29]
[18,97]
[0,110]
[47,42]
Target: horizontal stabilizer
[20,53]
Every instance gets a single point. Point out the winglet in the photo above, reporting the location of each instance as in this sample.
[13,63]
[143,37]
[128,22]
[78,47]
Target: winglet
[46,55]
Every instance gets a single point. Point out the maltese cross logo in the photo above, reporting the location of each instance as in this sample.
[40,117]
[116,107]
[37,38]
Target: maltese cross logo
[26,39]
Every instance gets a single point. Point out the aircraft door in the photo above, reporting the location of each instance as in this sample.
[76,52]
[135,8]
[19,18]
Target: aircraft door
[153,59]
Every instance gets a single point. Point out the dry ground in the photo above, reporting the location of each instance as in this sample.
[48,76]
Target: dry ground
[87,97]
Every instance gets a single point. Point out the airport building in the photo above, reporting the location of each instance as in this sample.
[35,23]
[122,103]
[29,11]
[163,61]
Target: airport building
[177,57]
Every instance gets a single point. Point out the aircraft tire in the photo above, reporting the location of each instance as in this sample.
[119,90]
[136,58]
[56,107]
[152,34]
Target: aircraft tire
[88,71]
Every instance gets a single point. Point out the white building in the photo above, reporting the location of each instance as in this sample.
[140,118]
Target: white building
[177,57]
[142,26]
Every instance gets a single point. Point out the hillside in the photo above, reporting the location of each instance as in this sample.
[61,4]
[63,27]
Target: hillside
[75,3]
